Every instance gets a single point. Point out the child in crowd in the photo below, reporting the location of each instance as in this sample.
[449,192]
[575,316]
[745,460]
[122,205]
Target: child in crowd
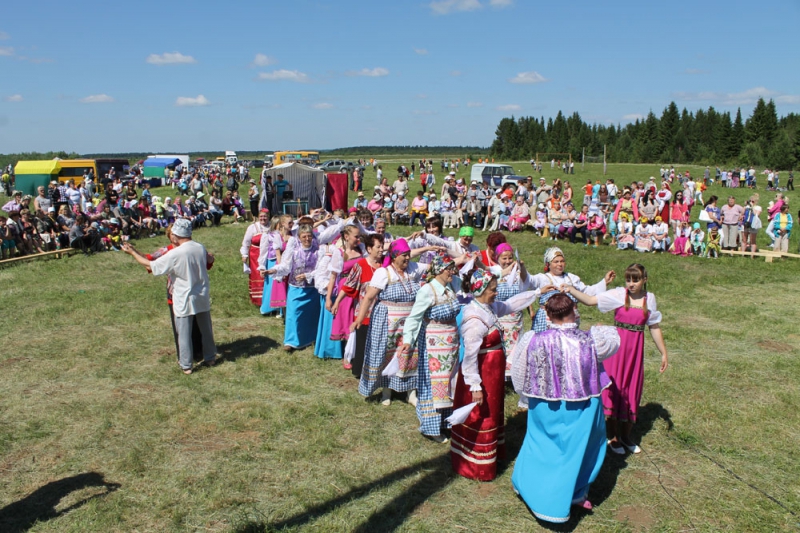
[596,228]
[713,244]
[697,240]
[644,241]
[625,238]
[9,246]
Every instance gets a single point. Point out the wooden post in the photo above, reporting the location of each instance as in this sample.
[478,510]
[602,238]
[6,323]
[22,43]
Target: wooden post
[583,157]
[605,167]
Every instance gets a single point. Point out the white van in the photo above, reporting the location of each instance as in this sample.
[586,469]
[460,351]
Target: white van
[230,157]
[492,173]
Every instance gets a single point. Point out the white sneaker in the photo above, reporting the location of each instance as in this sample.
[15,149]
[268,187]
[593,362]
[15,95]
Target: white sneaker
[386,396]
[412,397]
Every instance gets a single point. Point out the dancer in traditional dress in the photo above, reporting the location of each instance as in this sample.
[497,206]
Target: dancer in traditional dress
[302,299]
[356,287]
[560,375]
[393,289]
[488,257]
[431,326]
[343,308]
[634,308]
[477,443]
[556,275]
[324,347]
[250,250]
[513,280]
[271,252]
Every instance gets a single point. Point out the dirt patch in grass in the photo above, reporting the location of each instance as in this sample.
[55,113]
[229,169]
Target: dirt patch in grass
[638,517]
[13,360]
[775,346]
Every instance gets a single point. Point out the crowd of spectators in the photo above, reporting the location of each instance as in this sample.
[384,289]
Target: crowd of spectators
[93,217]
[652,216]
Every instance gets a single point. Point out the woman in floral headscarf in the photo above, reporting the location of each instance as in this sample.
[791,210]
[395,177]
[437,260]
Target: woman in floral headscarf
[478,442]
[431,326]
[555,274]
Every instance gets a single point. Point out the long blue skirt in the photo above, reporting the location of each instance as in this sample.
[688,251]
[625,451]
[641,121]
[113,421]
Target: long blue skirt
[302,316]
[564,448]
[324,347]
[265,307]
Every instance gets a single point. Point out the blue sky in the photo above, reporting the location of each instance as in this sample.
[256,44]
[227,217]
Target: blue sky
[165,76]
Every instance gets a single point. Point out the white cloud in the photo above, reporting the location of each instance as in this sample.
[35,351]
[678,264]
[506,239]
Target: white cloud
[633,117]
[509,107]
[170,58]
[748,97]
[284,75]
[323,105]
[4,36]
[6,51]
[528,77]
[455,73]
[501,3]
[13,98]
[188,101]
[370,72]
[263,60]
[474,104]
[444,7]
[421,51]
[97,99]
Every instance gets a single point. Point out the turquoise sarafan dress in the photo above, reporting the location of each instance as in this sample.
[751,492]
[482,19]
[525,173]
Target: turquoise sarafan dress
[559,372]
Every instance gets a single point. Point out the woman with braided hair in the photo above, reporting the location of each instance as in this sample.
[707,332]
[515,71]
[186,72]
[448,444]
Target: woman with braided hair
[478,442]
[634,308]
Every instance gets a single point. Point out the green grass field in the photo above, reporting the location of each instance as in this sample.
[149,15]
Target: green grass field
[100,431]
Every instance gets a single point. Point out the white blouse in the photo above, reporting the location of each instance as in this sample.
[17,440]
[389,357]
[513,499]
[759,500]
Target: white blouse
[547,278]
[475,324]
[413,274]
[615,298]
[252,230]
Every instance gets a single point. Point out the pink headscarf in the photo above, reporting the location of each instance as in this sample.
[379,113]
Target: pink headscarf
[502,247]
[400,246]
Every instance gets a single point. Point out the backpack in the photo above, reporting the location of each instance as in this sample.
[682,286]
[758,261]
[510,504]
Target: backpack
[749,216]
[230,184]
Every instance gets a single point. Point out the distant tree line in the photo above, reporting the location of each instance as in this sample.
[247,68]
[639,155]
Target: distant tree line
[410,150]
[706,137]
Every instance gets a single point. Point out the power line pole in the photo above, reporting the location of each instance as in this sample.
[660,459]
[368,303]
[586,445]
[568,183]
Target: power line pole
[605,167]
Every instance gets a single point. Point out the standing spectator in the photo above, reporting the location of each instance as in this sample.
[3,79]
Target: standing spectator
[281,185]
[731,215]
[780,229]
[186,264]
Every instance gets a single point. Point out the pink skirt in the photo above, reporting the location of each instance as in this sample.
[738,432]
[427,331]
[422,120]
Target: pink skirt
[277,296]
[340,330]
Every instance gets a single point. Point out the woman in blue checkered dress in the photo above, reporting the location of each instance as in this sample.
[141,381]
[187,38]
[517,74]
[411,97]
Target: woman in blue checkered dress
[395,287]
[555,274]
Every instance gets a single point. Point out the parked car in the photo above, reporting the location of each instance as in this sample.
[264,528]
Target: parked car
[490,172]
[340,165]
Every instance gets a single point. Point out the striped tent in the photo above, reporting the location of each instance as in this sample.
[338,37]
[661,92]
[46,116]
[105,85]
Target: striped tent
[308,183]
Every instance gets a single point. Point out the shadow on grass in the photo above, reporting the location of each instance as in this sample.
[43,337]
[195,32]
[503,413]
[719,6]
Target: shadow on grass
[249,347]
[40,505]
[613,464]
[437,475]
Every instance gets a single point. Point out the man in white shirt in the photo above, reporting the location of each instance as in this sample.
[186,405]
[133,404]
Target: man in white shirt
[493,210]
[380,174]
[186,266]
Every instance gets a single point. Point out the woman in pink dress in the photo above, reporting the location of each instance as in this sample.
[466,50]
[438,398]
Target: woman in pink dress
[342,263]
[634,308]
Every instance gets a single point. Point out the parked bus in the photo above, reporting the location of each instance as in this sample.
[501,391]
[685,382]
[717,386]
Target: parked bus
[299,156]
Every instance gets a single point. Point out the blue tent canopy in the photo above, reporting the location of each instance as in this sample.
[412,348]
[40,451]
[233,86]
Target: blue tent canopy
[161,162]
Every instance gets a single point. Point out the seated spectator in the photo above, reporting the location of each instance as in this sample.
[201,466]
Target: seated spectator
[400,214]
[419,210]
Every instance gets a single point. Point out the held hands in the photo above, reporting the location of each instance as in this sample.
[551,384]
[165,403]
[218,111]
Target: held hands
[551,288]
[263,273]
[477,396]
[328,305]
[610,276]
[354,326]
[334,309]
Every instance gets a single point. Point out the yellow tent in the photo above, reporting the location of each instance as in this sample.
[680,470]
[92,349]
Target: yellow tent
[32,174]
